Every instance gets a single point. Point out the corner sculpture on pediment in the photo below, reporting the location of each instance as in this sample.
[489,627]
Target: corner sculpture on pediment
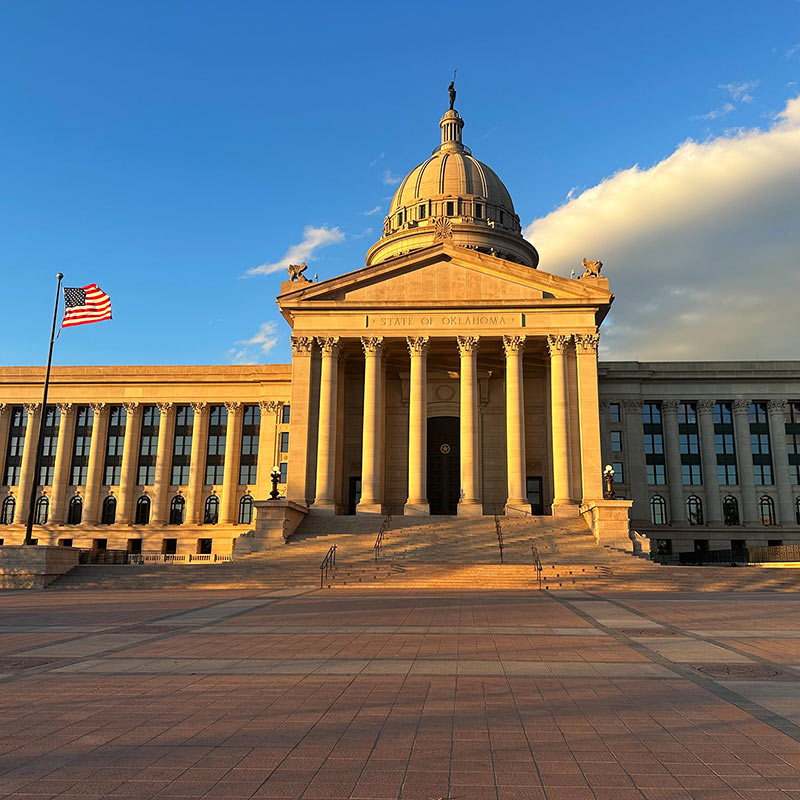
[591,269]
[296,271]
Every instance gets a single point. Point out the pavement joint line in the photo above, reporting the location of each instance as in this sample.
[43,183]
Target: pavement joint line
[67,661]
[718,688]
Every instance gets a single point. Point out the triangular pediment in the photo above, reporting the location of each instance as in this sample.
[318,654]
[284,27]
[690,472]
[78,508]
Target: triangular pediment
[444,274]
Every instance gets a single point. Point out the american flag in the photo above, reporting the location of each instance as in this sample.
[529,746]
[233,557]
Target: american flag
[85,304]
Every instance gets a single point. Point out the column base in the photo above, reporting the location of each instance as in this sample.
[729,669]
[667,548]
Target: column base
[517,508]
[369,509]
[565,509]
[467,508]
[417,510]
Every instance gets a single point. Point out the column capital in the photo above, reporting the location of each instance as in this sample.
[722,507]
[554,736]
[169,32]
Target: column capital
[165,408]
[198,407]
[98,407]
[329,345]
[706,406]
[586,343]
[513,345]
[302,345]
[669,406]
[372,345]
[632,404]
[270,405]
[233,406]
[65,408]
[557,343]
[32,408]
[777,405]
[741,406]
[418,345]
[4,408]
[468,345]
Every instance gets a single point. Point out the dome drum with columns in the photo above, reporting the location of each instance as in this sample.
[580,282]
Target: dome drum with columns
[453,196]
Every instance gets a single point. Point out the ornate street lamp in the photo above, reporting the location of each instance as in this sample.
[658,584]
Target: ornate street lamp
[608,482]
[275,476]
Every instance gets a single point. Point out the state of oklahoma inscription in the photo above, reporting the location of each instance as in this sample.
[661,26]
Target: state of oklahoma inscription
[442,320]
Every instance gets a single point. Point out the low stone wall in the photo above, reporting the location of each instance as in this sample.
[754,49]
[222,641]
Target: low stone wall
[276,521]
[34,567]
[609,521]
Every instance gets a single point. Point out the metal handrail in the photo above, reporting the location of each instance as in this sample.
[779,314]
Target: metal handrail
[328,563]
[537,563]
[385,524]
[499,531]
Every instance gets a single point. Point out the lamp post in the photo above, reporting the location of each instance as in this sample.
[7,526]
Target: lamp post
[608,482]
[275,476]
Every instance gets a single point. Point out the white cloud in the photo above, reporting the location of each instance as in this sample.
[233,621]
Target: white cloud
[715,113]
[701,248]
[377,159]
[391,180]
[793,50]
[263,340]
[740,92]
[313,238]
[373,211]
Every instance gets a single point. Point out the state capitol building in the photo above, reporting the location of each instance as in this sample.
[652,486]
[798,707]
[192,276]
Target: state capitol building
[447,376]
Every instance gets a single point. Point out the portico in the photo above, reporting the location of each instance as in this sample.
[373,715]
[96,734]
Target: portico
[493,362]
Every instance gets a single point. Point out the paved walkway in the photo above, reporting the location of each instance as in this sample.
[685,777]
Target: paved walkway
[410,695]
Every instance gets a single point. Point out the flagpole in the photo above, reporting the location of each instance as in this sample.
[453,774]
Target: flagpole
[42,420]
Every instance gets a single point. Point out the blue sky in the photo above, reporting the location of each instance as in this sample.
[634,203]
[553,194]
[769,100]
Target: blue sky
[162,149]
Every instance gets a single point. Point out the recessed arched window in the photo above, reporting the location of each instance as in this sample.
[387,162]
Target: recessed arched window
[142,510]
[730,510]
[211,516]
[766,509]
[7,515]
[75,512]
[694,510]
[246,510]
[42,511]
[658,510]
[176,509]
[109,515]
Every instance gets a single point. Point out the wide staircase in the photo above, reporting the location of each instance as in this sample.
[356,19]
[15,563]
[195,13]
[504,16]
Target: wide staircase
[447,553]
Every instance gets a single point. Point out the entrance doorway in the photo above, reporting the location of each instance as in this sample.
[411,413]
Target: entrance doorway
[444,465]
[534,484]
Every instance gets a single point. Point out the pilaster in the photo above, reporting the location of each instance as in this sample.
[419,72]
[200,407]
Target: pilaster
[130,452]
[708,456]
[194,491]
[26,476]
[61,476]
[230,478]
[300,487]
[589,417]
[744,458]
[672,450]
[166,431]
[776,409]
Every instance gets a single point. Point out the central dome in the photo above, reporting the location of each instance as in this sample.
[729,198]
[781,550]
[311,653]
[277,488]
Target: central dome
[453,196]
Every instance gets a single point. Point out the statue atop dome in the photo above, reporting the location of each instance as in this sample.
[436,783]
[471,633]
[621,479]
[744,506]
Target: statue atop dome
[451,90]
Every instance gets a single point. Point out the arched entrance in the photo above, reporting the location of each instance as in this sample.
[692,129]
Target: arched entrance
[444,465]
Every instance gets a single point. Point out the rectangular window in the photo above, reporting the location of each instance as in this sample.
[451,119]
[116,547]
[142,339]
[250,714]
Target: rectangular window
[84,423]
[148,446]
[619,471]
[655,462]
[286,413]
[215,451]
[284,442]
[450,208]
[614,412]
[656,474]
[760,444]
[52,422]
[182,445]
[616,441]
[284,471]
[117,422]
[724,443]
[689,443]
[16,444]
[248,458]
[479,210]
[792,424]
[421,212]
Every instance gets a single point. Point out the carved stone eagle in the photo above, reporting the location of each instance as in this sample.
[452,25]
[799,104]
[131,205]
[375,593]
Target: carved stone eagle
[296,270]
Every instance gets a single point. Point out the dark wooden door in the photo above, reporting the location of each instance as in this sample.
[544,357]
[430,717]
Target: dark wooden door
[444,465]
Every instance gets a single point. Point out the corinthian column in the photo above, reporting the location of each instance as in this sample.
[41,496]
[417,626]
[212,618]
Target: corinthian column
[780,460]
[230,477]
[559,415]
[166,428]
[589,416]
[194,490]
[708,457]
[672,450]
[94,475]
[130,451]
[371,467]
[326,445]
[27,467]
[267,446]
[61,476]
[514,347]
[417,502]
[744,457]
[470,503]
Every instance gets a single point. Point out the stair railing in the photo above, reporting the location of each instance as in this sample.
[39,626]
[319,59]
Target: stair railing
[385,524]
[537,563]
[328,564]
[499,531]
